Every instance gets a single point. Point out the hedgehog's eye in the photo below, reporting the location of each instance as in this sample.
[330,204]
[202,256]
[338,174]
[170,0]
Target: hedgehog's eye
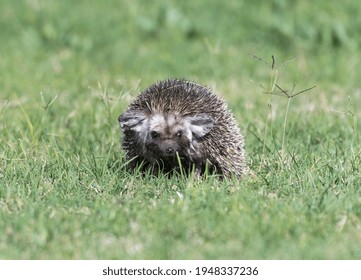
[154,134]
[179,134]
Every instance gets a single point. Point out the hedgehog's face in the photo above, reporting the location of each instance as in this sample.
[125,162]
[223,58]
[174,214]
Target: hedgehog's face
[167,136]
[164,137]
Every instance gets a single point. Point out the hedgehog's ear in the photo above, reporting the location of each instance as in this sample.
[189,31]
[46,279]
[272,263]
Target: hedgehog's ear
[200,124]
[132,120]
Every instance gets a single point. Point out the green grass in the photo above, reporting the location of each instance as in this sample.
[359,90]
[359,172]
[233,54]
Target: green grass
[68,69]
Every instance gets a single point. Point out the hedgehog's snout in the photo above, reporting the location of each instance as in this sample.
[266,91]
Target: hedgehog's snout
[169,149]
[162,148]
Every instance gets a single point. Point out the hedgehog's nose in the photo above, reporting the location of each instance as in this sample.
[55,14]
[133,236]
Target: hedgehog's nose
[169,151]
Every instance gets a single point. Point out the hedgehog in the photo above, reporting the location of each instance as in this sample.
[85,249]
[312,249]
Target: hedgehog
[179,125]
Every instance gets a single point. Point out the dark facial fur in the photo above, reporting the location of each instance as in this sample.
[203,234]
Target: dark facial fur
[167,138]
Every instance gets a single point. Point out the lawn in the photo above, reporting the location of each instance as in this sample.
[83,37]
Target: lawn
[69,68]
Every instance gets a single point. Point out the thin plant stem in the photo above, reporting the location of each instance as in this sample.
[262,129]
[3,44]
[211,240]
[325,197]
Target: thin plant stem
[355,131]
[273,81]
[353,118]
[269,115]
[284,125]
[180,166]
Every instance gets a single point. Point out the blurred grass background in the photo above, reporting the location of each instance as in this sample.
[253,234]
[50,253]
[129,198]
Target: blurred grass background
[69,68]
[87,41]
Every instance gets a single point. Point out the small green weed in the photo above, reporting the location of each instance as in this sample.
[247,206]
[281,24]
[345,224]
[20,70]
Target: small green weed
[275,89]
